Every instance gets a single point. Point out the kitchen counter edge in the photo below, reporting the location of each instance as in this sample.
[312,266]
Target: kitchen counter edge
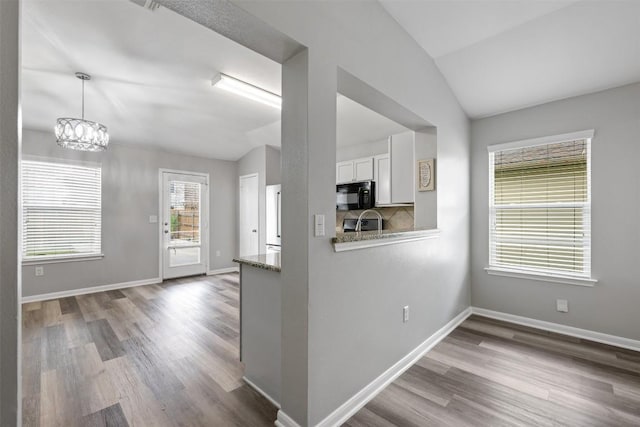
[269,262]
[365,239]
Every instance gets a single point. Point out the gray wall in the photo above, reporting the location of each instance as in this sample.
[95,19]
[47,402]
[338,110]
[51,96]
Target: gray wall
[426,202]
[272,165]
[254,162]
[9,238]
[265,161]
[611,306]
[295,235]
[129,196]
[353,317]
[366,149]
[261,328]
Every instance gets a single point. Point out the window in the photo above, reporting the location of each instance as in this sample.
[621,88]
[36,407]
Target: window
[540,206]
[61,210]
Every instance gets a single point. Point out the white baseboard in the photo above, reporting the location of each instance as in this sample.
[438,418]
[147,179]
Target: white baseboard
[89,290]
[285,420]
[560,329]
[355,403]
[261,391]
[223,271]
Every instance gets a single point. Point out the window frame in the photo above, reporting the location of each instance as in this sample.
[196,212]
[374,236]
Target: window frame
[578,278]
[61,258]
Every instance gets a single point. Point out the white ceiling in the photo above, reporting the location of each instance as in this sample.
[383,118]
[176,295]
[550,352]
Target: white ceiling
[152,70]
[356,124]
[503,55]
[151,76]
[151,80]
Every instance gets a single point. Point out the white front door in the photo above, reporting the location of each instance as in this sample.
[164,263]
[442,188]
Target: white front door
[185,214]
[249,215]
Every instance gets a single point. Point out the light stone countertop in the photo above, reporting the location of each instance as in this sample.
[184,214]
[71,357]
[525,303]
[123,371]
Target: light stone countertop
[365,239]
[269,261]
[371,235]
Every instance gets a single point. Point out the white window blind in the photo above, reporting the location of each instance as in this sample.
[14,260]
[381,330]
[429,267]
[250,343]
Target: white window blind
[540,208]
[61,210]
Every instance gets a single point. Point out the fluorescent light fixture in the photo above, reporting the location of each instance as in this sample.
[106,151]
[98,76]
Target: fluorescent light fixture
[247,90]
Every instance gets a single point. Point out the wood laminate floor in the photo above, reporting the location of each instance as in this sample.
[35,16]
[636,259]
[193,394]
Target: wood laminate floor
[157,355]
[492,373]
[167,355]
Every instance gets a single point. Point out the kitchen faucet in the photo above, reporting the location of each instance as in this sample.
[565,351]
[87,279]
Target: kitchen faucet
[359,223]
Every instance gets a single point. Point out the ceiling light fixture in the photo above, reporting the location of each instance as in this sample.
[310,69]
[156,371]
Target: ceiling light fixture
[81,134]
[247,90]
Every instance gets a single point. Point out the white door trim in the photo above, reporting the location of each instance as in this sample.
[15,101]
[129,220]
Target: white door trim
[205,236]
[240,178]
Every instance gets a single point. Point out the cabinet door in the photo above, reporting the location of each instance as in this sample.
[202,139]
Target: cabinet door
[344,172]
[382,177]
[363,169]
[402,168]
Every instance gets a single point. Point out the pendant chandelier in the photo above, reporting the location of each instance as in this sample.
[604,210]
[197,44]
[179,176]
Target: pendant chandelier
[81,134]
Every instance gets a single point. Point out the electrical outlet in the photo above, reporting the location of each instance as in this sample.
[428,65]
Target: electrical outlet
[39,271]
[405,314]
[562,305]
[217,253]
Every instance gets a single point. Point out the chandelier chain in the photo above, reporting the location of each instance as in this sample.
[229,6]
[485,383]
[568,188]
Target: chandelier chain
[83,99]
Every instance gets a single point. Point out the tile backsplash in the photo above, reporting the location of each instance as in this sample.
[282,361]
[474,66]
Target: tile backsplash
[395,218]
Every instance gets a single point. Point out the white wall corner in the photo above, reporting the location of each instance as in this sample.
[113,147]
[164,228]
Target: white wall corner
[360,399]
[599,337]
[285,420]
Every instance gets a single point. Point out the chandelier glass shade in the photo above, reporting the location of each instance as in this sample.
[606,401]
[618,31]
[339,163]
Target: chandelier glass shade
[81,134]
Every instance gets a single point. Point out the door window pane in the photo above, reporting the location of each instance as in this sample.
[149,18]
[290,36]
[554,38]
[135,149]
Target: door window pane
[185,213]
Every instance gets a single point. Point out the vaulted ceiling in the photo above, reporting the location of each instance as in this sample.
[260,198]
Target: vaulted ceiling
[151,80]
[503,55]
[152,70]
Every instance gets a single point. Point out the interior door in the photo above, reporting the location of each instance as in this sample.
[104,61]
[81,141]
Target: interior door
[249,215]
[185,247]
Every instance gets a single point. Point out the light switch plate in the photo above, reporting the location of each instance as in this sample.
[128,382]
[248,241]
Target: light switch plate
[319,225]
[39,271]
[153,219]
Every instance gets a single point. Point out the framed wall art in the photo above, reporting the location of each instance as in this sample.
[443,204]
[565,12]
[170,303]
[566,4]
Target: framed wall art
[426,175]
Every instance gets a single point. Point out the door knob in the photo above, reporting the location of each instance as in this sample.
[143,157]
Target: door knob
[254,231]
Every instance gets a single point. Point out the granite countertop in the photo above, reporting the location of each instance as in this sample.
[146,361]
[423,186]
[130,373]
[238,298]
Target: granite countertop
[371,235]
[362,239]
[269,261]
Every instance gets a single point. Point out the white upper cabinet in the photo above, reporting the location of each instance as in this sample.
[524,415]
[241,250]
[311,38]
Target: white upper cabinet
[363,169]
[401,150]
[354,170]
[393,172]
[382,178]
[344,172]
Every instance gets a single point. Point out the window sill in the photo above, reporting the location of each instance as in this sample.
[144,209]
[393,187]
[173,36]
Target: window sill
[554,278]
[60,259]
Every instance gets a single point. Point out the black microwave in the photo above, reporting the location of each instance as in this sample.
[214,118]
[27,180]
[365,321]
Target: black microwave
[355,196]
